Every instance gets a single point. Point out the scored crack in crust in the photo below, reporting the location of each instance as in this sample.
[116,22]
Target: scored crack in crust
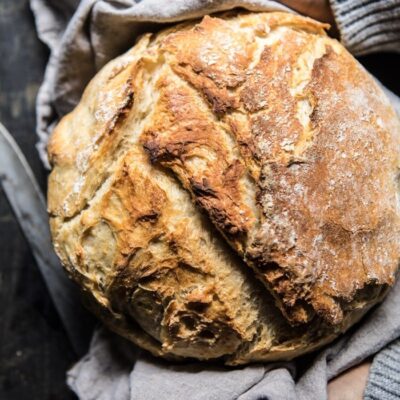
[215,160]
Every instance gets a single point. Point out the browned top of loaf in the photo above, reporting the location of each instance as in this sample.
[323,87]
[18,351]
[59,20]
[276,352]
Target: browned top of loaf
[280,137]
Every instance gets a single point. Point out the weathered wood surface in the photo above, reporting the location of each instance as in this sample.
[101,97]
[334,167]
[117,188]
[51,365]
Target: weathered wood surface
[34,352]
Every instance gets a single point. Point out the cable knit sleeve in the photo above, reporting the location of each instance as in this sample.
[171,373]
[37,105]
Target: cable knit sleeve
[384,376]
[368,26]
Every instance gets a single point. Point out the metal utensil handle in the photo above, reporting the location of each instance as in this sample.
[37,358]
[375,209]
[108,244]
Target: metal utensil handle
[29,207]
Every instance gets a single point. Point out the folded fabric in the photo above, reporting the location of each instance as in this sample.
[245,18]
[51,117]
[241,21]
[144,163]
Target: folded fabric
[82,38]
[115,370]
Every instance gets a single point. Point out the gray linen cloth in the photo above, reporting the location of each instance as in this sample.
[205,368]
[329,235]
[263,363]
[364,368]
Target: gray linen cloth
[82,37]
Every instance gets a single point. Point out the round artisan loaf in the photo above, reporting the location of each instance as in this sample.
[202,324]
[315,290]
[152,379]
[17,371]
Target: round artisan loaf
[228,188]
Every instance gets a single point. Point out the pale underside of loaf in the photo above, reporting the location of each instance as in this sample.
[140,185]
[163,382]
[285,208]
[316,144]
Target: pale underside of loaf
[229,189]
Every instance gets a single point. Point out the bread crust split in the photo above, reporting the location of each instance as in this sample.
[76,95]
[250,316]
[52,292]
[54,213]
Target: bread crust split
[228,189]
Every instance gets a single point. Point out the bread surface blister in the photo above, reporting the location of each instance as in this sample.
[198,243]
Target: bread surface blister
[228,189]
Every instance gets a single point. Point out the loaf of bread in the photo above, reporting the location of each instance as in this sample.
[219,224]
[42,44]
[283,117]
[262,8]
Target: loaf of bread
[228,189]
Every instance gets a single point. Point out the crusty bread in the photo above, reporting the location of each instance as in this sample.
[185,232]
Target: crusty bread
[229,189]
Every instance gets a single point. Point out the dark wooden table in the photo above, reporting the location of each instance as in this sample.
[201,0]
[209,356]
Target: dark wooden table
[34,352]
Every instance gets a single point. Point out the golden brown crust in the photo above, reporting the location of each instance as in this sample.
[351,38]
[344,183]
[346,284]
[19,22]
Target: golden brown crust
[184,138]
[258,125]
[342,196]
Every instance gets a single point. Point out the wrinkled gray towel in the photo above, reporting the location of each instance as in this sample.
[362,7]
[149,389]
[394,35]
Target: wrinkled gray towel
[82,38]
[115,370]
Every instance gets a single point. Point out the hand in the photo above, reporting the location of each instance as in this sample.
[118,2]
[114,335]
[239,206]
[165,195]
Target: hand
[317,9]
[351,384]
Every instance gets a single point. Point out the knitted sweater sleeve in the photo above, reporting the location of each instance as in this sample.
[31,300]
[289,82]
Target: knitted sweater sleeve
[384,376]
[368,26]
